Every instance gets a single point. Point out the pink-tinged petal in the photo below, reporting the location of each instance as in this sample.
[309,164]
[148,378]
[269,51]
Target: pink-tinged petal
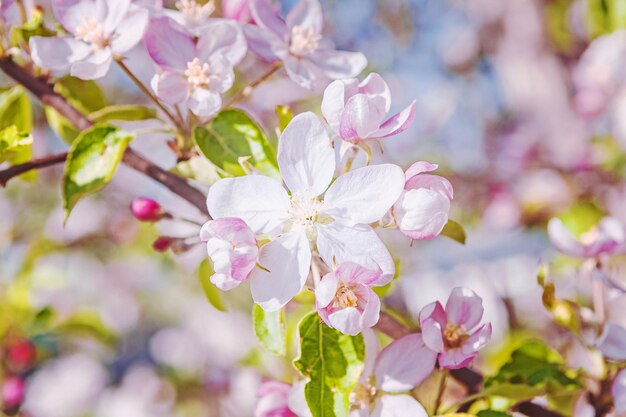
[339,64]
[455,359]
[611,236]
[563,240]
[169,44]
[353,273]
[263,43]
[419,167]
[326,289]
[397,123]
[398,406]
[404,364]
[375,87]
[170,87]
[131,30]
[266,16]
[359,244]
[224,38]
[619,392]
[334,100]
[238,10]
[288,259]
[361,117]
[432,334]
[260,201]
[435,312]
[477,340]
[421,214]
[94,66]
[307,14]
[297,401]
[273,400]
[57,53]
[222,71]
[364,195]
[346,320]
[372,347]
[116,11]
[371,313]
[204,103]
[464,307]
[272,387]
[300,70]
[430,182]
[305,155]
[612,342]
[72,13]
[224,281]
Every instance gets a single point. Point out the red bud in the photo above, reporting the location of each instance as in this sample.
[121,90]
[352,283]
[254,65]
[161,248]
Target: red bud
[162,243]
[13,389]
[21,355]
[146,210]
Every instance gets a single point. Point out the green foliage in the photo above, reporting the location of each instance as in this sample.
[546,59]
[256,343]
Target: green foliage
[581,217]
[91,162]
[492,413]
[231,138]
[16,110]
[86,96]
[454,231]
[34,27]
[333,361]
[123,112]
[605,16]
[15,147]
[270,329]
[284,115]
[212,293]
[564,312]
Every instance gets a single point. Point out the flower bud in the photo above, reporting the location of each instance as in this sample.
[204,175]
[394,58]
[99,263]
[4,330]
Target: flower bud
[146,210]
[13,389]
[162,243]
[21,356]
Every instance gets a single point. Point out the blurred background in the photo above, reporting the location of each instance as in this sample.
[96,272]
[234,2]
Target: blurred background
[522,103]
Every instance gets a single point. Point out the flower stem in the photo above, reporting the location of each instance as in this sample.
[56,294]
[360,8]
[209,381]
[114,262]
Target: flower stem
[441,390]
[247,90]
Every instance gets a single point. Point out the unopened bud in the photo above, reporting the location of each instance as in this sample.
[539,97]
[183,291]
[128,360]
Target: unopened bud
[146,210]
[21,356]
[13,389]
[162,243]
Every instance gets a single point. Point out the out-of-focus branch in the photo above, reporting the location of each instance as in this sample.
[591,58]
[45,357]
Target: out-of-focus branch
[469,378]
[45,93]
[15,170]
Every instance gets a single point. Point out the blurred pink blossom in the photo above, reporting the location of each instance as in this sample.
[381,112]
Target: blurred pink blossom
[607,238]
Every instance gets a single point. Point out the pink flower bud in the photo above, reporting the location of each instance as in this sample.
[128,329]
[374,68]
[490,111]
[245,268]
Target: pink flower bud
[238,10]
[162,243]
[13,389]
[21,355]
[146,210]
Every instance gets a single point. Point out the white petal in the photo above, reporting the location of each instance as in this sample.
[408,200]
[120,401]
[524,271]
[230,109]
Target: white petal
[288,259]
[57,53]
[94,66]
[305,156]
[258,200]
[365,194]
[359,244]
[398,406]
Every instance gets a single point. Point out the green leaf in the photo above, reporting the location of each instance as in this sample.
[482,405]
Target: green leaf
[285,115]
[454,231]
[34,27]
[85,95]
[581,217]
[492,413]
[333,361]
[91,162]
[123,112]
[16,110]
[15,147]
[212,293]
[270,329]
[232,135]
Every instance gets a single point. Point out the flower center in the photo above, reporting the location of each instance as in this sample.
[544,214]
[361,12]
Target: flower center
[194,13]
[364,394]
[590,236]
[198,75]
[454,335]
[92,31]
[345,297]
[304,40]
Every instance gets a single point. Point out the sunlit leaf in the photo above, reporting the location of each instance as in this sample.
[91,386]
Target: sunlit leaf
[16,110]
[123,112]
[270,329]
[212,293]
[454,231]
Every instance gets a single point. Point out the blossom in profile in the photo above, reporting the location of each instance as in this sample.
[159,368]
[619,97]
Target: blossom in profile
[280,399]
[298,43]
[449,331]
[358,111]
[232,248]
[389,376]
[99,31]
[422,210]
[606,238]
[194,70]
[333,217]
[345,301]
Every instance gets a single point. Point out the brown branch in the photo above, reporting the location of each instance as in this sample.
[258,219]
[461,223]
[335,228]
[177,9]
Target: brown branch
[20,169]
[45,93]
[247,90]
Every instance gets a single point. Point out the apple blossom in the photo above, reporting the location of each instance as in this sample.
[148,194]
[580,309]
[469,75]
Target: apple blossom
[397,369]
[297,42]
[607,238]
[337,223]
[612,342]
[447,332]
[345,301]
[279,399]
[357,111]
[99,30]
[238,10]
[232,247]
[619,392]
[195,71]
[192,14]
[146,210]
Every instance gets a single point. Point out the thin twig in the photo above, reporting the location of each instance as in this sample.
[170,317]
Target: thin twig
[247,90]
[15,170]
